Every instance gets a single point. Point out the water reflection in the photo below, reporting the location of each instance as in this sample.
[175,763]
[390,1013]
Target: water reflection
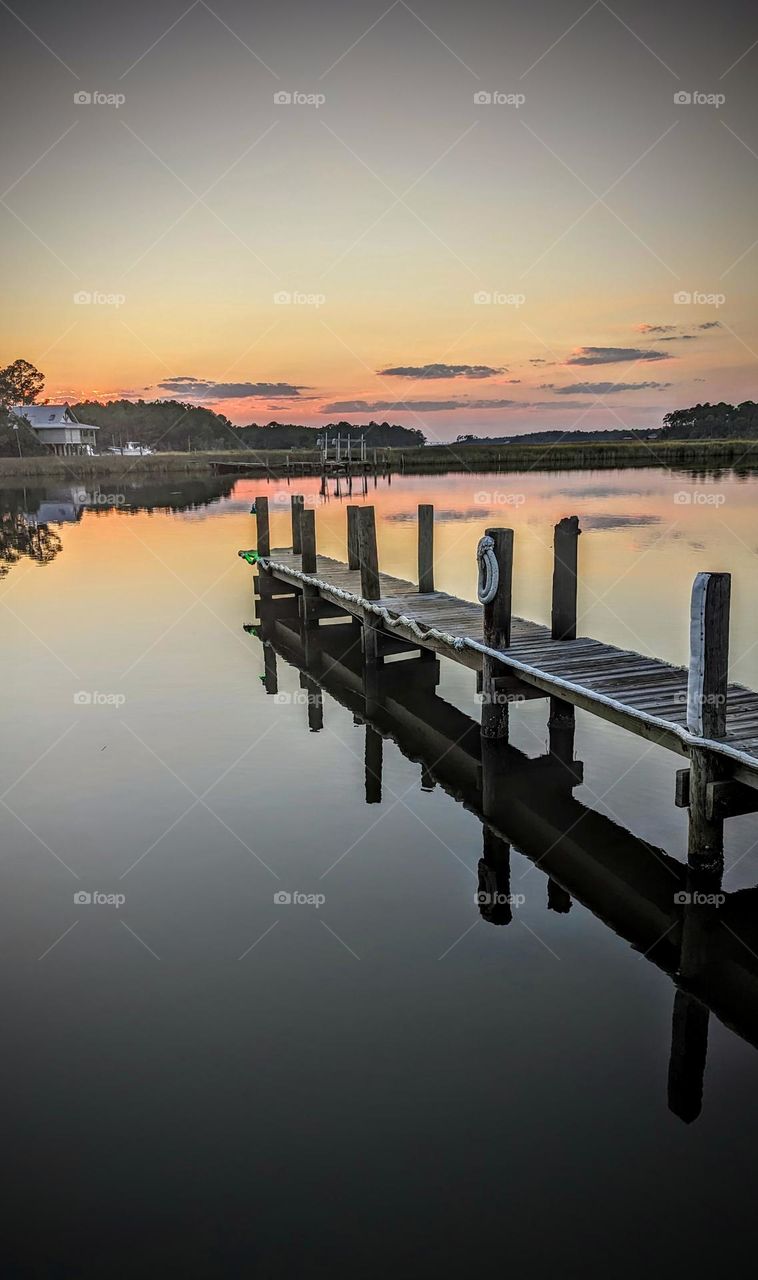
[677,918]
[26,513]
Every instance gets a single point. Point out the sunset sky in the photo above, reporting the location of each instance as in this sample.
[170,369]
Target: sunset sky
[457,217]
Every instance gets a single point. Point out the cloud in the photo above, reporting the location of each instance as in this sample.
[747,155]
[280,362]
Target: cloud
[603,388]
[430,372]
[419,406]
[539,360]
[203,389]
[614,355]
[677,332]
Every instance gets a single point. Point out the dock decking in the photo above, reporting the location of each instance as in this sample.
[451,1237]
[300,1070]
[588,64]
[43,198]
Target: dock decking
[694,712]
[645,695]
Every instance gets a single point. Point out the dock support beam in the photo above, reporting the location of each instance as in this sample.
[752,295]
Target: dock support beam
[565,538]
[370,586]
[353,556]
[298,502]
[263,544]
[706,710]
[497,635]
[425,547]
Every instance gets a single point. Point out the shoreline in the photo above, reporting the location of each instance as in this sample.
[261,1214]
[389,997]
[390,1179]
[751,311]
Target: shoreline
[718,454]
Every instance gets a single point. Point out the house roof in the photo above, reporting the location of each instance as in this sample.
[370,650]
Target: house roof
[50,415]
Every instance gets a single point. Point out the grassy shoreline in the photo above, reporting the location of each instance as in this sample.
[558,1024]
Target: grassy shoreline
[742,454]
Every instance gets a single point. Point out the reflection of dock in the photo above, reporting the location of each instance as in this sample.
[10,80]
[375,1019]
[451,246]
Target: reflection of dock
[674,914]
[695,713]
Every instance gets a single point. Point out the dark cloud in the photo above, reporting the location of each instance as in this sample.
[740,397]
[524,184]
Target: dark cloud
[615,355]
[430,372]
[677,332]
[419,406]
[202,389]
[538,360]
[605,388]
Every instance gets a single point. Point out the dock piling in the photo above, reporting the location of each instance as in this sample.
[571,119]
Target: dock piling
[497,635]
[353,556]
[425,547]
[297,506]
[706,709]
[563,617]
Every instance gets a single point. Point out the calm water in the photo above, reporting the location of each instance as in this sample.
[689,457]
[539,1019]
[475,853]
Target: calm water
[203,1081]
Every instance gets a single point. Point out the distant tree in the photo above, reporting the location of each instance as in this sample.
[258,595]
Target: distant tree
[20,383]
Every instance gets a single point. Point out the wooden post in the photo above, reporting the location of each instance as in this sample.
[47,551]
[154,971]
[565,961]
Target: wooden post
[425,547]
[263,546]
[308,539]
[370,590]
[565,538]
[497,634]
[706,709]
[353,557]
[497,614]
[367,554]
[709,655]
[297,506]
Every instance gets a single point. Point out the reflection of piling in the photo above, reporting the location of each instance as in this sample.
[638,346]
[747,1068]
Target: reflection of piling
[373,766]
[494,879]
[689,1049]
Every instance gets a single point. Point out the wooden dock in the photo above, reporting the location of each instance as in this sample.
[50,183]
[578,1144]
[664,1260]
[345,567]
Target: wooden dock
[707,945]
[694,712]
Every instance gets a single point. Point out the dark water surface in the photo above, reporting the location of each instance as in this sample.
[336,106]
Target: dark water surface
[202,1081]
